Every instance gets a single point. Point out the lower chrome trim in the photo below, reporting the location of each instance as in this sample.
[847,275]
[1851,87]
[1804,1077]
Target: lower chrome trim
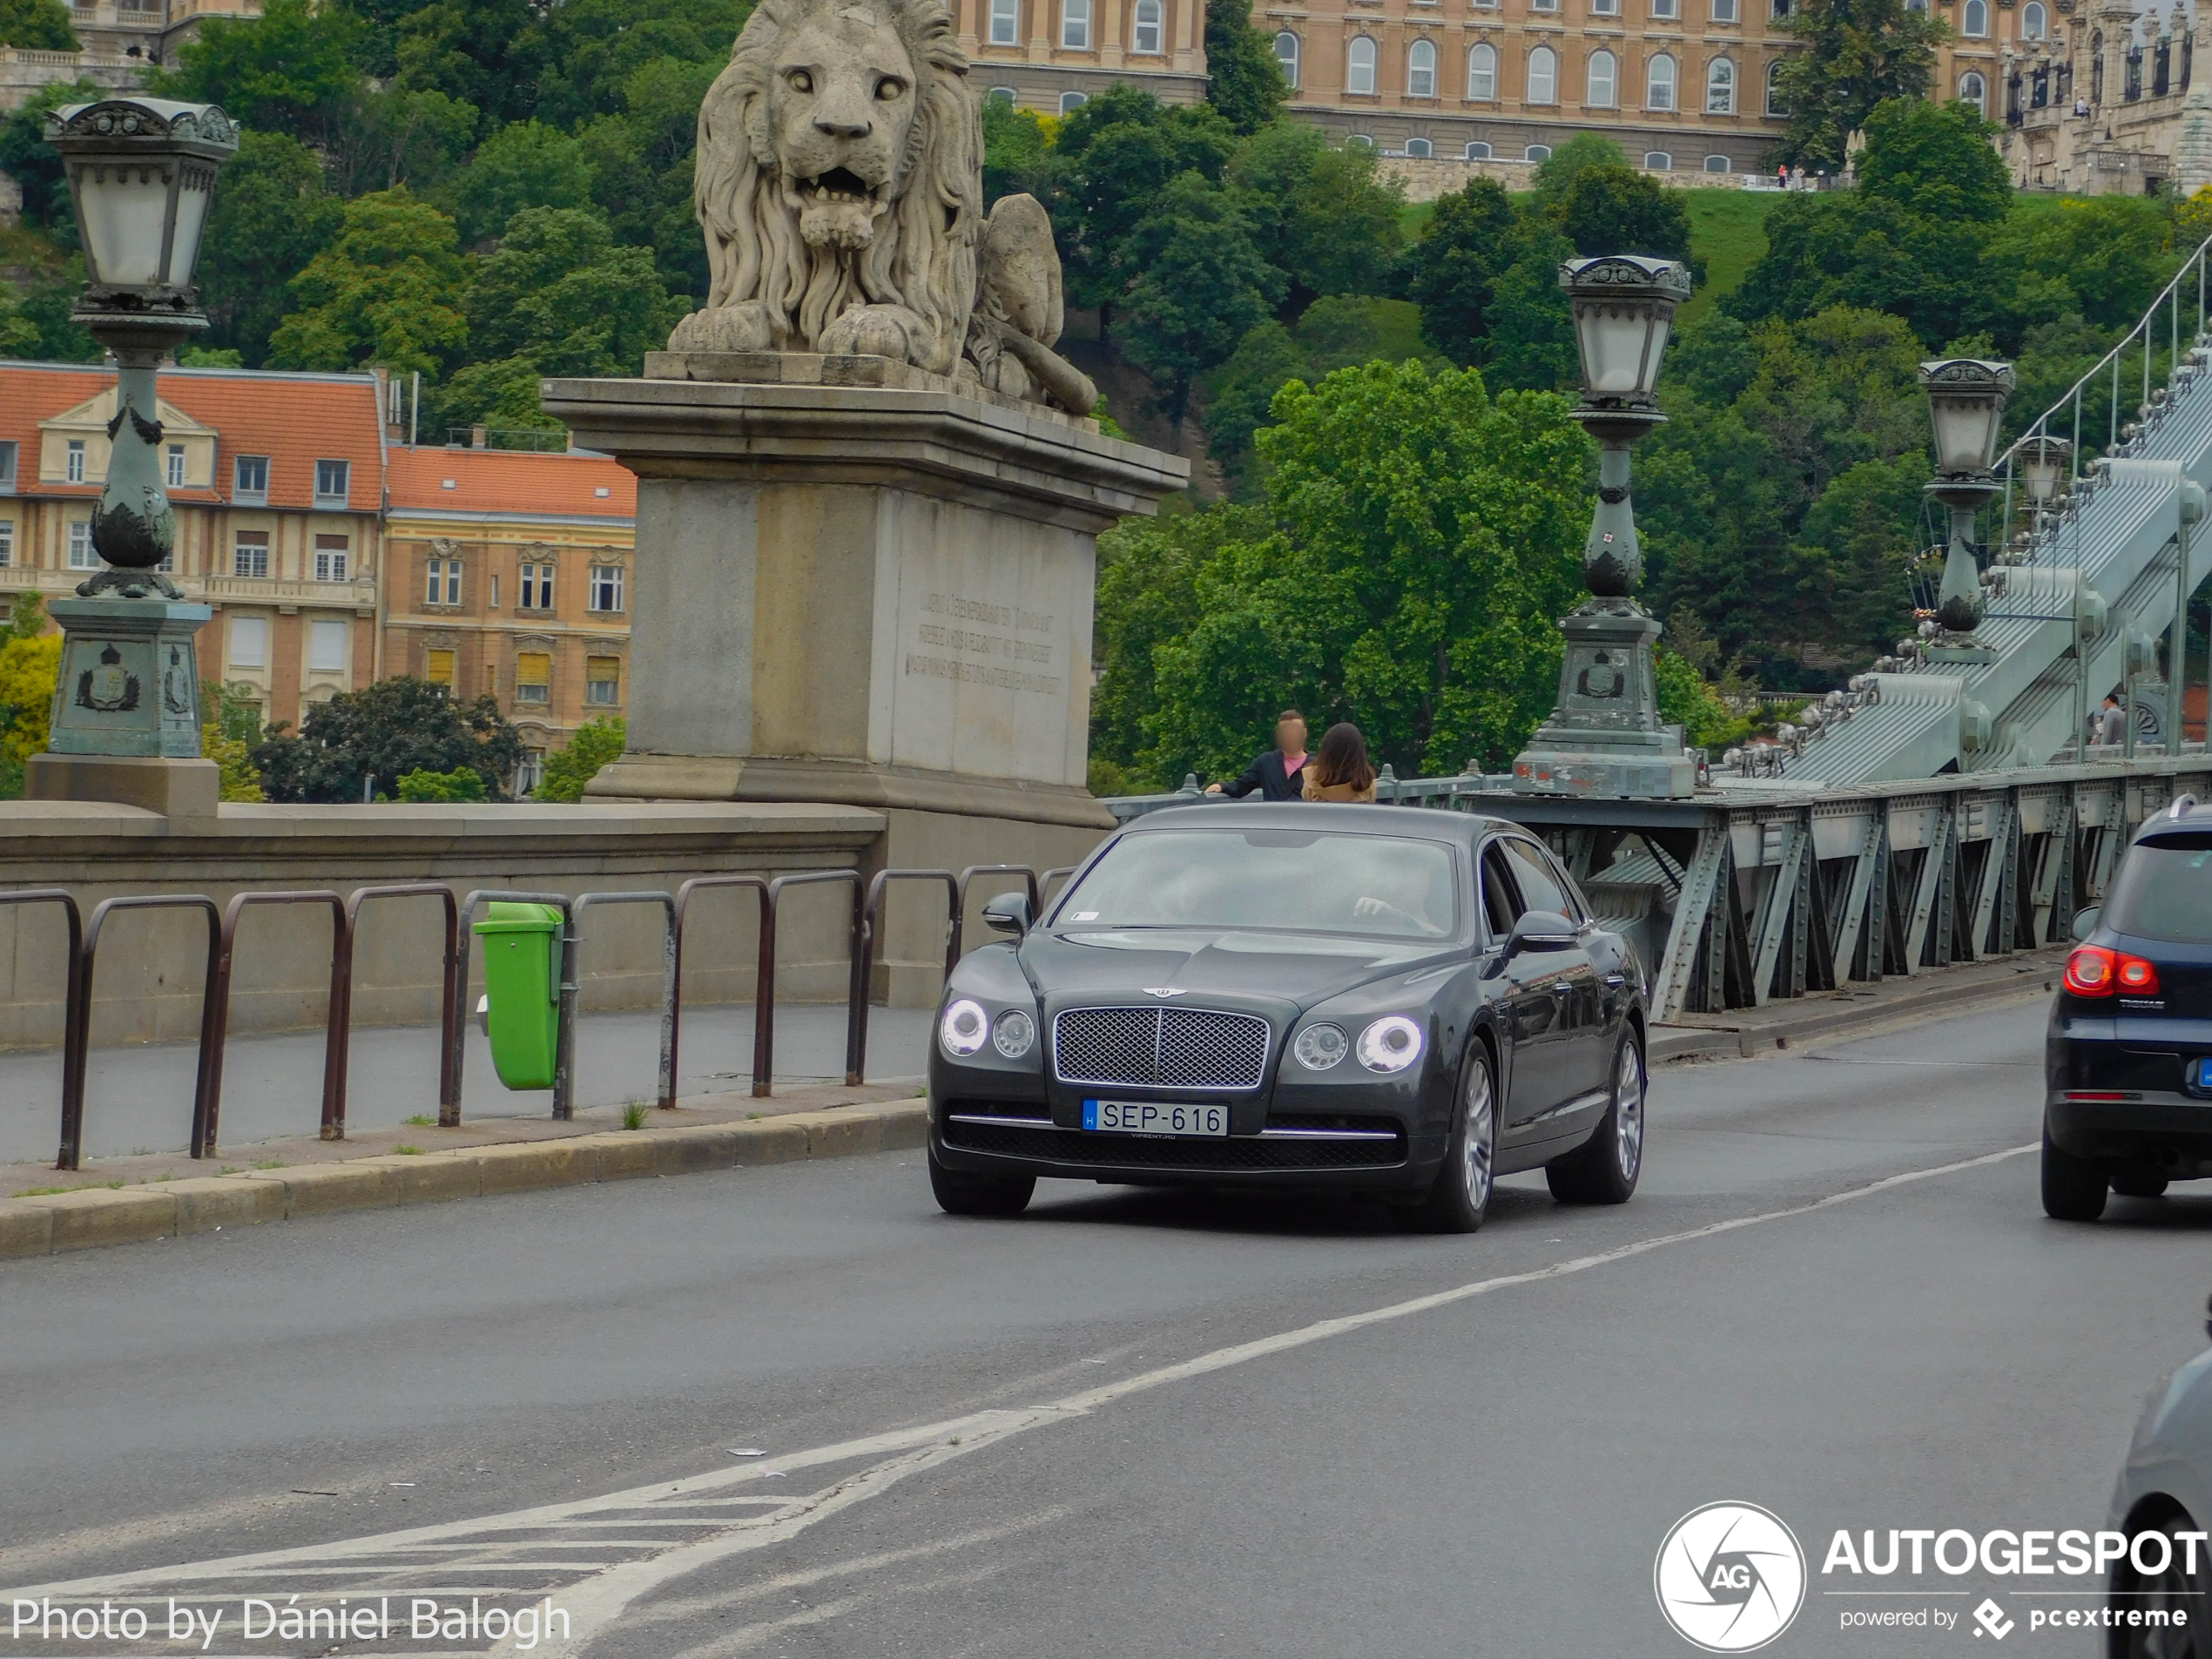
[1327,1134]
[1017,1122]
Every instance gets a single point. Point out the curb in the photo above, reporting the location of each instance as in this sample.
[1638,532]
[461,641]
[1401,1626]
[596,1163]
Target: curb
[93,1217]
[1696,1042]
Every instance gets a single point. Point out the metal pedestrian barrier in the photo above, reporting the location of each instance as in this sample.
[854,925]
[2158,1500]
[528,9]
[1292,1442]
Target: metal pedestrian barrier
[207,1128]
[79,1038]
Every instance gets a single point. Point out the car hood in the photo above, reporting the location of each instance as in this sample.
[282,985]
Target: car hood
[1239,964]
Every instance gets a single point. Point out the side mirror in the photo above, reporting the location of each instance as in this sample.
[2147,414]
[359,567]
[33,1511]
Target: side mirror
[1541,930]
[2085,921]
[1008,913]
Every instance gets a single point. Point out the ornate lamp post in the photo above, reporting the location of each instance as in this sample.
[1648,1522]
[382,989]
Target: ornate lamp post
[127,714]
[1966,399]
[1604,736]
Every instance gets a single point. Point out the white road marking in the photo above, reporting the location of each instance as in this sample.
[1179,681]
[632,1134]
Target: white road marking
[594,1603]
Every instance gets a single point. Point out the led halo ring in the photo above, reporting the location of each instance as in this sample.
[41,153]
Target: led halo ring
[964,1029]
[1392,1043]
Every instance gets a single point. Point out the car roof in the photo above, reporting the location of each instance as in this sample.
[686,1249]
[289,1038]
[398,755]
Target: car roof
[2183,817]
[1429,824]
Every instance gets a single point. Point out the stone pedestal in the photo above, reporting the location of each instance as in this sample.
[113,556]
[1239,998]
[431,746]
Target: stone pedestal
[1605,737]
[861,584]
[130,678]
[177,789]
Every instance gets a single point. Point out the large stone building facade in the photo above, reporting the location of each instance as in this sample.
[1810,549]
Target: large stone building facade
[1051,54]
[2101,102]
[119,41]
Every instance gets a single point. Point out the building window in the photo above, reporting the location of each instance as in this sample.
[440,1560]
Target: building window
[1724,11]
[327,647]
[1974,91]
[75,470]
[81,557]
[1720,87]
[1718,164]
[1420,68]
[533,677]
[1070,102]
[606,587]
[537,588]
[176,466]
[1665,10]
[1006,23]
[602,680]
[1286,50]
[249,642]
[1659,84]
[1543,75]
[1359,66]
[1420,149]
[1605,8]
[2035,22]
[250,556]
[437,668]
[334,481]
[250,480]
[7,542]
[330,558]
[1773,88]
[1013,99]
[1604,77]
[1150,25]
[1477,150]
[444,586]
[1974,19]
[1075,25]
[1483,76]
[1358,141]
[1658,161]
[7,466]
[1537,152]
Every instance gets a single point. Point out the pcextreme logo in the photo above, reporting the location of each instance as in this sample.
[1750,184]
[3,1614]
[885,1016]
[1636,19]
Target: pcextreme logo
[1729,1577]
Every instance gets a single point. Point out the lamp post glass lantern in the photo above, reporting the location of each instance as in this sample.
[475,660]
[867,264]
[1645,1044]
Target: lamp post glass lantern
[1604,736]
[2043,463]
[1966,398]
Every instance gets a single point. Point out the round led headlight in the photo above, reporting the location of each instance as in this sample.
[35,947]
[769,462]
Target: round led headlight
[1015,1035]
[1320,1047]
[964,1029]
[1392,1043]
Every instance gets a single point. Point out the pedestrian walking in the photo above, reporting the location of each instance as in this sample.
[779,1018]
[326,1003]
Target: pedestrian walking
[1341,771]
[2109,725]
[1275,774]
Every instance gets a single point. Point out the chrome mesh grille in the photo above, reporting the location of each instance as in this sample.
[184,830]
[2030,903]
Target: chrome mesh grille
[1161,1048]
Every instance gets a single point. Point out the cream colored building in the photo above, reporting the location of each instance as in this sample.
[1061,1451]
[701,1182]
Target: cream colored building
[119,41]
[1051,54]
[2097,104]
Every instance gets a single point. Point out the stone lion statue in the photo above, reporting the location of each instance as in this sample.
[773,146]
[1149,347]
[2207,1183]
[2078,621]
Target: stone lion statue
[840,188]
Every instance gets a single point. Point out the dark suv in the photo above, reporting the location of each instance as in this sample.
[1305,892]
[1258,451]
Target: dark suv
[2128,1060]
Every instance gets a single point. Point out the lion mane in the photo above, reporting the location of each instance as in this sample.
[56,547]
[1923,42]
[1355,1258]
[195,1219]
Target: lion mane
[923,255]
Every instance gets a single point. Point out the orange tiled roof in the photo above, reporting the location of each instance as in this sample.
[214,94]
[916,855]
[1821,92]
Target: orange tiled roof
[295,420]
[575,485]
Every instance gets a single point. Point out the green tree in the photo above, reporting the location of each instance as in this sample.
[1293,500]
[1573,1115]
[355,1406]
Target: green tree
[482,52]
[1532,340]
[290,70]
[461,784]
[389,289]
[1617,210]
[592,48]
[1556,174]
[527,165]
[271,217]
[1858,54]
[385,730]
[1453,271]
[30,661]
[641,161]
[1326,217]
[1245,82]
[1205,285]
[34,164]
[594,745]
[19,333]
[393,136]
[37,26]
[48,307]
[1017,149]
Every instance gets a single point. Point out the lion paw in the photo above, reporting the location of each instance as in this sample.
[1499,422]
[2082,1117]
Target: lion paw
[870,331]
[745,327]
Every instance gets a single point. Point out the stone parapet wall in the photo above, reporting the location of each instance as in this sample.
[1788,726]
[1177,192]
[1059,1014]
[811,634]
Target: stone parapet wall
[1426,178]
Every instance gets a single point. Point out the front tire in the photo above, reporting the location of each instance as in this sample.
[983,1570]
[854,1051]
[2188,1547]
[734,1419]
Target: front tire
[1604,1169]
[1460,1198]
[963,1192]
[2177,1592]
[2074,1189]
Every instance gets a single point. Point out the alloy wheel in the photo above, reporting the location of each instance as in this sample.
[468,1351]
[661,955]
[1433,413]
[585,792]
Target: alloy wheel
[1628,1111]
[1478,1145]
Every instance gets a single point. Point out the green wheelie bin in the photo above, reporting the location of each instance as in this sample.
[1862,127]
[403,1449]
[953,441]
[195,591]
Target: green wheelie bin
[521,945]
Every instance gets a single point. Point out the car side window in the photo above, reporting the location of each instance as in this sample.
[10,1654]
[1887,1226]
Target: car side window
[1539,888]
[1575,910]
[1501,904]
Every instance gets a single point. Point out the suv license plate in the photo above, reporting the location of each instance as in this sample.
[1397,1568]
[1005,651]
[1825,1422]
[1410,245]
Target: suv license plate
[2199,1074]
[1155,1117]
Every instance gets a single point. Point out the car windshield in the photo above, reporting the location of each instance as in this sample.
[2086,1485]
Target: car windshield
[1376,887]
[2164,891]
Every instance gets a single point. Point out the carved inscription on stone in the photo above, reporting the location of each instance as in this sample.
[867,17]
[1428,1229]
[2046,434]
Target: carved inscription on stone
[981,642]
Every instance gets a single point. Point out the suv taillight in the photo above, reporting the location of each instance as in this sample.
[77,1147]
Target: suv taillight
[2094,971]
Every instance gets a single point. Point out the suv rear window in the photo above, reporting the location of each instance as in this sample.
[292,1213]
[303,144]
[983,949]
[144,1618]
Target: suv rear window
[2164,890]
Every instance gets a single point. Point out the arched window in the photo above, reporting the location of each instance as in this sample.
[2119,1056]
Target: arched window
[1718,164]
[1075,25]
[1720,87]
[1973,21]
[1537,152]
[1482,73]
[1477,150]
[1658,161]
[1659,84]
[1773,88]
[1286,51]
[1360,141]
[1145,38]
[1006,23]
[1420,68]
[1974,91]
[1605,77]
[1420,149]
[1013,97]
[1070,102]
[1360,65]
[2097,67]
[1543,77]
[2035,22]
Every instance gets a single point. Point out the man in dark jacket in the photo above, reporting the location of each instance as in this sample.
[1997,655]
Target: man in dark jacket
[1275,774]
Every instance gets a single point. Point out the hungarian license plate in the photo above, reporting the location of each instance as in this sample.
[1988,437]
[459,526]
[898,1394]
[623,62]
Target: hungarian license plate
[1155,1117]
[2199,1074]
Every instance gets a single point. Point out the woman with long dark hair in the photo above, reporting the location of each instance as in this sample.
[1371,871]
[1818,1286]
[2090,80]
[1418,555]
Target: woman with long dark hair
[1341,771]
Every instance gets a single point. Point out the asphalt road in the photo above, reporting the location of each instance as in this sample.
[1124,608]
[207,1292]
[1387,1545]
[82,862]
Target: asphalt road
[1114,1428]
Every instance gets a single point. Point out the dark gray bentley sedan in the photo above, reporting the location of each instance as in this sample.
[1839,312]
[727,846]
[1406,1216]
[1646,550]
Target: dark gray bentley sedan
[1409,1002]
